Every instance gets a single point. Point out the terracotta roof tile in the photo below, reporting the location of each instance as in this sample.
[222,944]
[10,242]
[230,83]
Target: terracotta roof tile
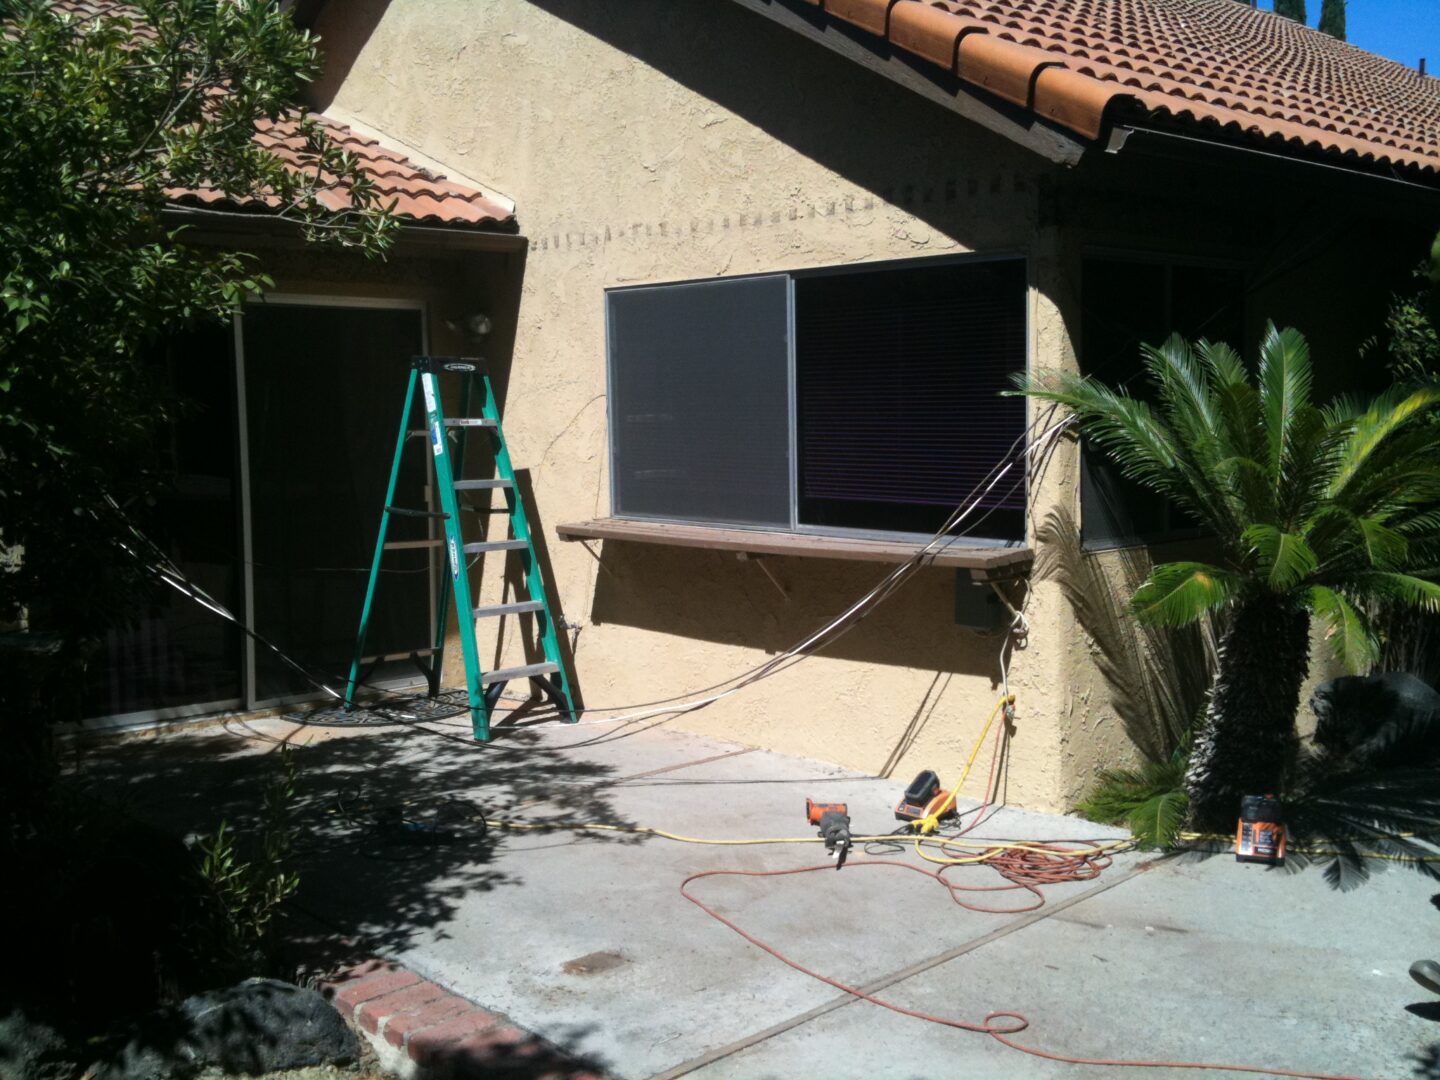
[1216,64]
[419,195]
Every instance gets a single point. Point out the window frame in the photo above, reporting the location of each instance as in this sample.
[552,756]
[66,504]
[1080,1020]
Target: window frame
[796,526]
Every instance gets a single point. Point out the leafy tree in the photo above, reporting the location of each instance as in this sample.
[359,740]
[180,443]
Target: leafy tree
[1291,9]
[1332,18]
[1313,510]
[102,115]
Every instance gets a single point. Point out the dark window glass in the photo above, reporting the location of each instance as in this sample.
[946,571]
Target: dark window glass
[898,377]
[324,387]
[177,653]
[699,401]
[1126,304]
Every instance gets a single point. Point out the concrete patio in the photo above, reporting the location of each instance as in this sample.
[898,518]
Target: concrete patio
[584,938]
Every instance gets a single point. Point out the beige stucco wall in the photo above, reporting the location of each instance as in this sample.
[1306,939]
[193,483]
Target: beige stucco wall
[641,148]
[657,141]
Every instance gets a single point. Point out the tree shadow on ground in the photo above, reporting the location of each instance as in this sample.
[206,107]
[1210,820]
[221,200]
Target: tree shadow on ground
[391,833]
[1427,1063]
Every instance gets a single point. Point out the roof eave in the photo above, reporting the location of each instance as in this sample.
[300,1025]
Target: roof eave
[877,54]
[226,226]
[1401,188]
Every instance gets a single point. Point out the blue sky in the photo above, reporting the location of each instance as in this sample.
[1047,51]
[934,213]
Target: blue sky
[1403,30]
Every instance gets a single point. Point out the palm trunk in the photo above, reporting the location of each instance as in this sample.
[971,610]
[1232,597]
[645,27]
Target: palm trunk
[1248,740]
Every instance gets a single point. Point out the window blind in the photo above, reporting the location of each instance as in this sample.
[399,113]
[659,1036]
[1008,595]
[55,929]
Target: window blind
[898,382]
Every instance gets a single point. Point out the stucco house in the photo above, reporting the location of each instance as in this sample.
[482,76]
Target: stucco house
[757,271]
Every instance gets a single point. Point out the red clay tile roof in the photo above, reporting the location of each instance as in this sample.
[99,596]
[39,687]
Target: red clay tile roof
[420,196]
[1218,66]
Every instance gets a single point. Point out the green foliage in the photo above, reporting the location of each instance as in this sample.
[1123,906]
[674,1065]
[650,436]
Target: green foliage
[1380,797]
[1410,345]
[1158,676]
[1291,9]
[1150,801]
[1317,508]
[102,114]
[1332,18]
[1310,510]
[245,884]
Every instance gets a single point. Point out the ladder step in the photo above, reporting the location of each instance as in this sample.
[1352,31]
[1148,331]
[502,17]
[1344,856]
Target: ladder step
[383,657]
[487,610]
[407,545]
[402,512]
[529,671]
[471,421]
[495,545]
[480,485]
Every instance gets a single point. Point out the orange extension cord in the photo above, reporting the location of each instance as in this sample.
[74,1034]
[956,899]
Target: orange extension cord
[1025,868]
[1002,1024]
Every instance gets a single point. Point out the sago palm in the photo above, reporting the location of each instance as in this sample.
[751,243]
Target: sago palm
[1313,510]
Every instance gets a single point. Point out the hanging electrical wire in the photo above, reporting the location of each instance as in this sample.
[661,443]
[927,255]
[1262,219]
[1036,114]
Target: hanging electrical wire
[1024,451]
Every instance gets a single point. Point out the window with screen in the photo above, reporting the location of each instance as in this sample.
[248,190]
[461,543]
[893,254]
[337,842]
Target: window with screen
[857,401]
[1127,303]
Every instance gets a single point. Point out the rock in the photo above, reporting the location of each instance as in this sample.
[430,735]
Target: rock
[143,1059]
[1367,716]
[262,1025]
[32,1050]
[257,1026]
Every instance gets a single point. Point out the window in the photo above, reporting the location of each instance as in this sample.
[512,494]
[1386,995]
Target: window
[856,401]
[1127,303]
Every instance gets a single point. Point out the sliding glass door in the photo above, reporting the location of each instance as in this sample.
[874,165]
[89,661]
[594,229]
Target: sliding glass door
[175,657]
[277,467]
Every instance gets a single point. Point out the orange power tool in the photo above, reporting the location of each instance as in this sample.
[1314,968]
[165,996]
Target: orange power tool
[833,821]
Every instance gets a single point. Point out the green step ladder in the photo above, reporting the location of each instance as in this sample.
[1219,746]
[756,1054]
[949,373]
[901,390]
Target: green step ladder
[484,687]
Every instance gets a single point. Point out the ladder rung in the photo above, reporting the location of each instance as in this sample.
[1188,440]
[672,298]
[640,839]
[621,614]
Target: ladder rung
[382,658]
[529,671]
[407,545]
[496,545]
[480,485]
[471,421]
[486,610]
[402,512]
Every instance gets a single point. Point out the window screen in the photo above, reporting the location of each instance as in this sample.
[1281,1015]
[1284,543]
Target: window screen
[898,377]
[1128,303]
[699,401]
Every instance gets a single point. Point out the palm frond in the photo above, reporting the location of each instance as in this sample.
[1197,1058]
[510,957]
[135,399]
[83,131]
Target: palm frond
[1350,635]
[1368,432]
[1406,588]
[1127,429]
[1285,381]
[1194,414]
[1150,800]
[1158,676]
[1285,558]
[1381,799]
[1157,821]
[1226,368]
[1179,593]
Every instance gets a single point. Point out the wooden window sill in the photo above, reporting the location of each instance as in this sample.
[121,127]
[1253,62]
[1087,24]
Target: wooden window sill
[984,563]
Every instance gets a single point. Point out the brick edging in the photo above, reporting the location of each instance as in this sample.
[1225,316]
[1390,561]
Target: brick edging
[443,1033]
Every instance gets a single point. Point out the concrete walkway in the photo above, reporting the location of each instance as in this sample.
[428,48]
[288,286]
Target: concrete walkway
[585,939]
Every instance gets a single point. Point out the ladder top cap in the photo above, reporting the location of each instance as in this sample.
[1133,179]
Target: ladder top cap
[436,364]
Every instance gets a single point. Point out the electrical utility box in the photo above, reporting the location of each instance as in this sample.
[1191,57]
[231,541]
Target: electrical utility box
[977,607]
